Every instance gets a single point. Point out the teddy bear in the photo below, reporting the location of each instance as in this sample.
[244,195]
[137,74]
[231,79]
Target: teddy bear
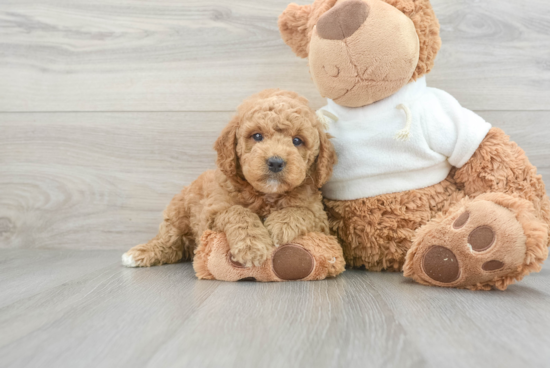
[422,185]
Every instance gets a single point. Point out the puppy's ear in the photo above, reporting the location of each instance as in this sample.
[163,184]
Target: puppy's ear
[293,25]
[326,159]
[226,146]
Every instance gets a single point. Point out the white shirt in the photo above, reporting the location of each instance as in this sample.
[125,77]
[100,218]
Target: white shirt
[372,160]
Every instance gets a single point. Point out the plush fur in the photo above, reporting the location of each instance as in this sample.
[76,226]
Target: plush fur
[394,231]
[255,208]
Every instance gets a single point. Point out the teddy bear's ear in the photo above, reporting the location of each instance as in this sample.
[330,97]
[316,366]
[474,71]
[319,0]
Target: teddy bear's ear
[293,25]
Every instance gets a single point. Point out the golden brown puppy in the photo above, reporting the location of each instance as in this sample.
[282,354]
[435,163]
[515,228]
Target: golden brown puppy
[272,159]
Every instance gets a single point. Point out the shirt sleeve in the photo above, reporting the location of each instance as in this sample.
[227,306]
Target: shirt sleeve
[453,130]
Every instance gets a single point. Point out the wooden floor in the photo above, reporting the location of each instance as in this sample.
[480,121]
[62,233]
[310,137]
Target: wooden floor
[70,308]
[66,308]
[108,108]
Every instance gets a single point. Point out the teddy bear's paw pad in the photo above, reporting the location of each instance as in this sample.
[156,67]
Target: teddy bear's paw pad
[492,265]
[440,264]
[481,239]
[461,220]
[480,243]
[292,262]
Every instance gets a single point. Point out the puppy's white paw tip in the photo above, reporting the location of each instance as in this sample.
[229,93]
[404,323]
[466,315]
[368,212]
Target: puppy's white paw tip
[128,260]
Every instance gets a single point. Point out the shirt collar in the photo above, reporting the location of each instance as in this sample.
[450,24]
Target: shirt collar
[406,95]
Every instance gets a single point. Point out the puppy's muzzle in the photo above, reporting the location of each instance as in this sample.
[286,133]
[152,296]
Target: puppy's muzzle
[275,164]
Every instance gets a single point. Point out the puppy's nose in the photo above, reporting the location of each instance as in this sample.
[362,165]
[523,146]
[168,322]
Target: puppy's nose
[275,164]
[343,20]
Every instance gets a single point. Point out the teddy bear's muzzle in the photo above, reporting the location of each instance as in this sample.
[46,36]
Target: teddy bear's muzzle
[346,61]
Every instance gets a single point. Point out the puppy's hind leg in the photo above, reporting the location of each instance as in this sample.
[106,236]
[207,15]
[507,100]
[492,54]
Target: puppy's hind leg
[168,246]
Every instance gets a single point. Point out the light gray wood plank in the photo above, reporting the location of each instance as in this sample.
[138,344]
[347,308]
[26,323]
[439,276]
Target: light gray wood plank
[163,316]
[207,55]
[111,317]
[495,53]
[24,273]
[101,180]
[97,180]
[331,323]
[462,328]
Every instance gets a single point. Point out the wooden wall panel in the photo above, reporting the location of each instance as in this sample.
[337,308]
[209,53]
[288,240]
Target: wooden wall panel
[101,180]
[207,55]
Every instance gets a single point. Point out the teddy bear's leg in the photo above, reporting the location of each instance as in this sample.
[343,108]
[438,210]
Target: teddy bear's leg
[377,232]
[498,235]
[491,240]
[314,256]
[501,166]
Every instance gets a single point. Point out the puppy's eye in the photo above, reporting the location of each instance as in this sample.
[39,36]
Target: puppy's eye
[258,137]
[297,141]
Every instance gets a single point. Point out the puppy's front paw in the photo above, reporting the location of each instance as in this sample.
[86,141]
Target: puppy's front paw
[283,232]
[252,250]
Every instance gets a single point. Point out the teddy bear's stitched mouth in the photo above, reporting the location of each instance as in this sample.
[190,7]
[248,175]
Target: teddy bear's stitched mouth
[343,95]
[361,80]
[365,81]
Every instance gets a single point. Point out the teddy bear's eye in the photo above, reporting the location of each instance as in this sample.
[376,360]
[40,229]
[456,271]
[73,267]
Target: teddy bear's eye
[258,137]
[297,141]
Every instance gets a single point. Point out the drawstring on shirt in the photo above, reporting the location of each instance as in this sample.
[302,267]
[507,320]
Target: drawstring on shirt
[405,133]
[323,117]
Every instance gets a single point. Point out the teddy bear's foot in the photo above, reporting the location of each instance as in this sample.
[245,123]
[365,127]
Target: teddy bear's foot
[311,257]
[489,241]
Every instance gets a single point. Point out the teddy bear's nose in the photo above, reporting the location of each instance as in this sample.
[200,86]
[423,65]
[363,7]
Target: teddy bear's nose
[343,20]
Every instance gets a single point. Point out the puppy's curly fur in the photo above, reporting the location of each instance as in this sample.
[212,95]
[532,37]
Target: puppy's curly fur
[255,207]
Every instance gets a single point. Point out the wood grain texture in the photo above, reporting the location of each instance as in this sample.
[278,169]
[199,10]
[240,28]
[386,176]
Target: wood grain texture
[207,55]
[76,316]
[23,273]
[76,180]
[101,180]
